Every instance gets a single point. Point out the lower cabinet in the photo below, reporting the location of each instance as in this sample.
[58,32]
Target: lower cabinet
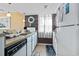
[29,46]
[31,43]
[21,52]
[35,39]
[2,46]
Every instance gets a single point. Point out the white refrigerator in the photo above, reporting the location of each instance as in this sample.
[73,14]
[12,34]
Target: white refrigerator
[67,31]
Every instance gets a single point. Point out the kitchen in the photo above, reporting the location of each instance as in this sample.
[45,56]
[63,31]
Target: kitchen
[13,41]
[39,29]
[19,29]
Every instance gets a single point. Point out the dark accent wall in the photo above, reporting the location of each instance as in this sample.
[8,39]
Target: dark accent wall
[35,24]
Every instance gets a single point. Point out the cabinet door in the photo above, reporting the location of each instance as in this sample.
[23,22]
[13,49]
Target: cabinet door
[29,46]
[35,39]
[21,52]
[1,46]
[33,42]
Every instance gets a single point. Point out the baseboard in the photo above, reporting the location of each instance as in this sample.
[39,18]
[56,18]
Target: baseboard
[44,44]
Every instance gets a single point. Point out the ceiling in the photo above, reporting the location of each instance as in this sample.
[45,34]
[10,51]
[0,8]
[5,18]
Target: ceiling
[30,8]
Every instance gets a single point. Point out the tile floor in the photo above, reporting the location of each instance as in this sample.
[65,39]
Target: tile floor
[40,50]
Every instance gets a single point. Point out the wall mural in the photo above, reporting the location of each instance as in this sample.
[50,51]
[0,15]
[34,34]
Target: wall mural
[4,22]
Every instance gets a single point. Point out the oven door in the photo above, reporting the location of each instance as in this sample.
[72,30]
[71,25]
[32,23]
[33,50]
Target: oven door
[11,50]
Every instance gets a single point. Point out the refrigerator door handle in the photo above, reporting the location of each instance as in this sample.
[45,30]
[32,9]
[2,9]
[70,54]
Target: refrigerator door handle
[66,25]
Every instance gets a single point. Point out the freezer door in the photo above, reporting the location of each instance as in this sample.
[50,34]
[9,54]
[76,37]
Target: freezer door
[71,17]
[66,41]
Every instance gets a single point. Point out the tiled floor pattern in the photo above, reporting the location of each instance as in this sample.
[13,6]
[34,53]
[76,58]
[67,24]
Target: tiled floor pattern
[40,50]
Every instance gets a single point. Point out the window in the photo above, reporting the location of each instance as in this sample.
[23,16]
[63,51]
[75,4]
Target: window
[48,24]
[45,25]
[41,24]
